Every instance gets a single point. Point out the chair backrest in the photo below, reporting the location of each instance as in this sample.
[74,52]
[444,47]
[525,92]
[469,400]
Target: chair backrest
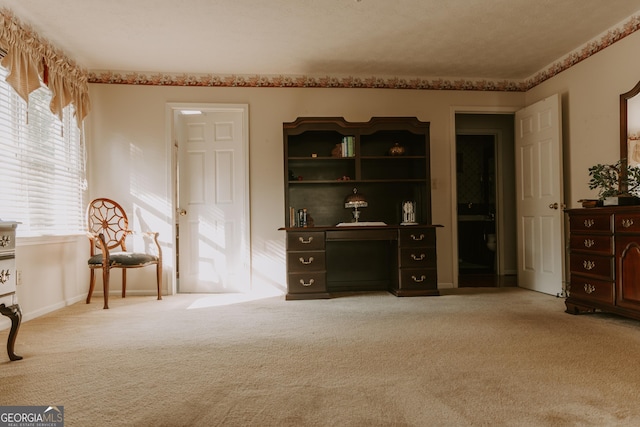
[107,217]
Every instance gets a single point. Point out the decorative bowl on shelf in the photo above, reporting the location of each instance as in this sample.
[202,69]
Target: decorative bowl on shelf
[397,150]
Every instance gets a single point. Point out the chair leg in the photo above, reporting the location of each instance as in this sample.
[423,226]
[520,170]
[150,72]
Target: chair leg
[124,282]
[159,280]
[105,286]
[92,284]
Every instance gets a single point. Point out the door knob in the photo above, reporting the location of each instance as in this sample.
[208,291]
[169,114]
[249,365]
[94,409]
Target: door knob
[553,206]
[182,212]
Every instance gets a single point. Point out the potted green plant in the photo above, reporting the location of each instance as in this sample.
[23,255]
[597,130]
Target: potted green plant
[617,184]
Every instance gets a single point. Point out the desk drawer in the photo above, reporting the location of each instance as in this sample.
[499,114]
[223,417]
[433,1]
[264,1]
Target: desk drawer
[305,261]
[418,257]
[305,240]
[312,282]
[592,265]
[361,234]
[418,278]
[7,275]
[414,237]
[585,288]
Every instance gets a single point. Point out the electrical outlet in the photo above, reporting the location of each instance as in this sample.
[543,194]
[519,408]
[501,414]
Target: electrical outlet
[18,277]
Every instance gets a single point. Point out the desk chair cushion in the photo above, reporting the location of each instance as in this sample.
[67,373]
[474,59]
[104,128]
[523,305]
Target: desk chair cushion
[126,259]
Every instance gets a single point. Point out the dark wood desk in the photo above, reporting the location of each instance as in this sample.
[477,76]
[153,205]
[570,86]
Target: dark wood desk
[322,261]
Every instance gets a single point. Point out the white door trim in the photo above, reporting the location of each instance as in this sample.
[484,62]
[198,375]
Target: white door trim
[171,110]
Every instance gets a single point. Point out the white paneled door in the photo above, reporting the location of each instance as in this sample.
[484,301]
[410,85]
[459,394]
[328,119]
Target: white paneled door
[540,196]
[213,220]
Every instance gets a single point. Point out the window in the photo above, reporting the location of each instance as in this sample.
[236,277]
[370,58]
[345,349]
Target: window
[42,179]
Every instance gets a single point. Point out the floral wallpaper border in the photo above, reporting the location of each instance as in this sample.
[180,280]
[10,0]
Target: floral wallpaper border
[288,81]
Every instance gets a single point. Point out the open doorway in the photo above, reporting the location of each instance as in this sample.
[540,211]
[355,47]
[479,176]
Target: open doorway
[476,192]
[485,200]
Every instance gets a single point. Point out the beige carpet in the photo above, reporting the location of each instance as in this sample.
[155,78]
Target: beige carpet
[471,357]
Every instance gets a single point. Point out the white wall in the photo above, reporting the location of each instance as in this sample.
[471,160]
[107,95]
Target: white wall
[53,273]
[590,94]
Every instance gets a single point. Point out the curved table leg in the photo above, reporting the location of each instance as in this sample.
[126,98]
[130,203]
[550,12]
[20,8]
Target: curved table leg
[15,314]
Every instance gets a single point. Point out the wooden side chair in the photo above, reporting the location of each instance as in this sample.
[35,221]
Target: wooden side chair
[108,228]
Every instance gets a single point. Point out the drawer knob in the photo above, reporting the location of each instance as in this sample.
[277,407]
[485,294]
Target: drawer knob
[418,280]
[589,288]
[589,243]
[627,222]
[417,238]
[418,258]
[589,223]
[4,276]
[303,283]
[588,265]
[309,261]
[5,240]
[306,242]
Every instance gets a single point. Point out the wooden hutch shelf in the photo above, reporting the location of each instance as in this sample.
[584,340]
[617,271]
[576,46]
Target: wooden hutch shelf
[387,160]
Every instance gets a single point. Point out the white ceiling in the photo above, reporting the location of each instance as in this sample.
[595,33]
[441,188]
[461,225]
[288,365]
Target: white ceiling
[490,39]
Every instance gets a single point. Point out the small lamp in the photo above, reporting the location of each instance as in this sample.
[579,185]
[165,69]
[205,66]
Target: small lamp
[355,201]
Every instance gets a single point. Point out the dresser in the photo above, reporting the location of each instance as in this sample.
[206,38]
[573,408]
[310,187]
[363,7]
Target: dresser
[604,254]
[8,303]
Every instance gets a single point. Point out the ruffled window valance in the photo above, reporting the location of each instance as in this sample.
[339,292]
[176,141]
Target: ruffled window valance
[31,61]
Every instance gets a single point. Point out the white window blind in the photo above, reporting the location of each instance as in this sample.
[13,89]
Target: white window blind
[42,178]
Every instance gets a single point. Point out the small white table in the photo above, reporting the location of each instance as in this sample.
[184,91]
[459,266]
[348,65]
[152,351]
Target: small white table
[8,304]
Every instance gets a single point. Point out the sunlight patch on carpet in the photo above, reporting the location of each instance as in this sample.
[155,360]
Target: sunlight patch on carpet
[217,300]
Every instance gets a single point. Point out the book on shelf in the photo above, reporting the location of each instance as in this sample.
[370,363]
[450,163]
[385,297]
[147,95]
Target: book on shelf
[348,146]
[292,217]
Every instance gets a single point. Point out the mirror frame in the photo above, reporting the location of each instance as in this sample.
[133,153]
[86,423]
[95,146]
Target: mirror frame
[624,132]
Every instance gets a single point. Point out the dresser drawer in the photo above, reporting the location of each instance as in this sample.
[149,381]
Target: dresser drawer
[591,243]
[311,282]
[7,240]
[590,222]
[414,237]
[418,257]
[593,265]
[418,278]
[305,261]
[7,275]
[627,223]
[591,289]
[305,240]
